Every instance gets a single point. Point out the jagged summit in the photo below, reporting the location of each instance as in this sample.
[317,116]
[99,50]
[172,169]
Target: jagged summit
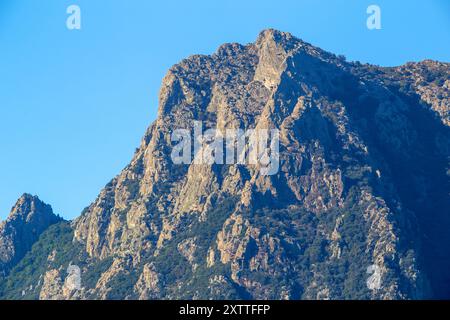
[273,35]
[27,220]
[28,205]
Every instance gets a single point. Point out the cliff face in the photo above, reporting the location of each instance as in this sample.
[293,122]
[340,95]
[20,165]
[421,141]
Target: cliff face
[26,222]
[358,208]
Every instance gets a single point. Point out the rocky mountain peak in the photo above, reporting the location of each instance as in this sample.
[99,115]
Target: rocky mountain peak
[361,186]
[28,207]
[27,220]
[275,36]
[339,124]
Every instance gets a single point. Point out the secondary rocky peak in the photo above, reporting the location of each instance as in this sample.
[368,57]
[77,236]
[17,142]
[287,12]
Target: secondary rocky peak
[28,219]
[28,207]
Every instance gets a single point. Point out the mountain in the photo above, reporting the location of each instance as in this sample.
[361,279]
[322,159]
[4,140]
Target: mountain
[356,208]
[28,219]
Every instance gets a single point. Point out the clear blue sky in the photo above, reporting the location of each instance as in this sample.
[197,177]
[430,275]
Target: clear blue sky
[75,104]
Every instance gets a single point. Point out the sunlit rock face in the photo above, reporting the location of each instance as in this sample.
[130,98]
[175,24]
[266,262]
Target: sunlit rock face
[362,186]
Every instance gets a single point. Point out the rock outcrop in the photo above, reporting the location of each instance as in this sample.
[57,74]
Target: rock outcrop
[28,219]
